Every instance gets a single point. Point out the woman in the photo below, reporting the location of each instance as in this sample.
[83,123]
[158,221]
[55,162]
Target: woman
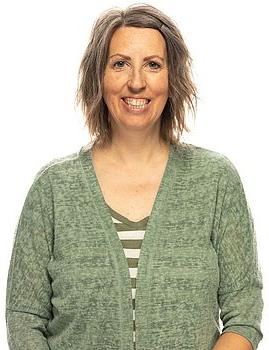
[137,240]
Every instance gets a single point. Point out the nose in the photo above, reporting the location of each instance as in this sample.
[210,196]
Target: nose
[136,80]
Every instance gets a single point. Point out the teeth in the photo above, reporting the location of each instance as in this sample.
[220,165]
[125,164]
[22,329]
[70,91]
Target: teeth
[136,101]
[137,107]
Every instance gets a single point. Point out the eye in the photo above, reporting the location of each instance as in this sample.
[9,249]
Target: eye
[114,64]
[156,64]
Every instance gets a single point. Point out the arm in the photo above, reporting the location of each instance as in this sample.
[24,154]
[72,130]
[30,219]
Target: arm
[232,341]
[240,287]
[28,286]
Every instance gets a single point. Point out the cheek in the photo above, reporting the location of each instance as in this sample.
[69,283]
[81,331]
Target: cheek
[162,89]
[159,84]
[112,77]
[112,84]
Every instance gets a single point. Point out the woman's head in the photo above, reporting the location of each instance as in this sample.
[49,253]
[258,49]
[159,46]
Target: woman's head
[138,30]
[137,77]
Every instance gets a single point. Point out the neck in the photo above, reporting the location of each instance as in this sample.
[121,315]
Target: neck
[132,156]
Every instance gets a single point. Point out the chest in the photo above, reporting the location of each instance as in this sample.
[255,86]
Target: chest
[131,195]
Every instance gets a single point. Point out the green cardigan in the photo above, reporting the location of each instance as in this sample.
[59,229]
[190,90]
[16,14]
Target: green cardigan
[68,282]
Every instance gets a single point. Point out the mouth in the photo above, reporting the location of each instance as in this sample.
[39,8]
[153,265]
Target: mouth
[137,98]
[136,108]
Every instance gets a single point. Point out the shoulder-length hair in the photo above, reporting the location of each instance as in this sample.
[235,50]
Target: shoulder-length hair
[182,91]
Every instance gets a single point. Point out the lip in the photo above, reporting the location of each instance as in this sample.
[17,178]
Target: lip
[137,97]
[135,111]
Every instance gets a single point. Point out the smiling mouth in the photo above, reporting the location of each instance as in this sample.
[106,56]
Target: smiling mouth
[136,107]
[145,101]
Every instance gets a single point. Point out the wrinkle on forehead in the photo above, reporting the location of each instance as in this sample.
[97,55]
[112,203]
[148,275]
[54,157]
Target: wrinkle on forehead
[147,41]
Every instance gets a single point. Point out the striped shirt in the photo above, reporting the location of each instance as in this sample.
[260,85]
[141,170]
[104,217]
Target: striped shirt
[131,234]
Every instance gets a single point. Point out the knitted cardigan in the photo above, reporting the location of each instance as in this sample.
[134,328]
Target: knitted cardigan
[68,282]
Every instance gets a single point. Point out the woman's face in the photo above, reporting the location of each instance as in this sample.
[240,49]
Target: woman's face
[136,77]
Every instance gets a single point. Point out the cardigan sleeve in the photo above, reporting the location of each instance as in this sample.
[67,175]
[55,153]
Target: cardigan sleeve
[240,287]
[28,292]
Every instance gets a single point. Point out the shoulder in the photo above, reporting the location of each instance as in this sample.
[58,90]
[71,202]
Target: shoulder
[61,164]
[58,169]
[207,160]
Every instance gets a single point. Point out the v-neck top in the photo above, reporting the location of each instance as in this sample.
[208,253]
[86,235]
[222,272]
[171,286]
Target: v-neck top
[125,219]
[131,234]
[197,276]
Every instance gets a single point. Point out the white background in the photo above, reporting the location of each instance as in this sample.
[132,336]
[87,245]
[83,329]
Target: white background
[42,43]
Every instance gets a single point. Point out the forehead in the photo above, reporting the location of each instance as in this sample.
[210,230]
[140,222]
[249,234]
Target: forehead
[144,40]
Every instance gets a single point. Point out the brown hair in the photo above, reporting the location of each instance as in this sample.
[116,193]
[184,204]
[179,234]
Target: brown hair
[182,90]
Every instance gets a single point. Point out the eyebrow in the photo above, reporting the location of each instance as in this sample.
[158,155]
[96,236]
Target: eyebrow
[129,58]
